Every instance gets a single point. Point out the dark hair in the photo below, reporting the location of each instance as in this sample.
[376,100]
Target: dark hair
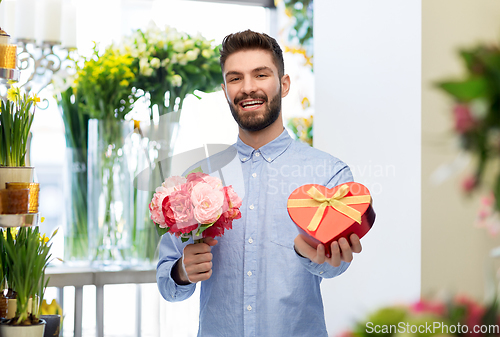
[251,40]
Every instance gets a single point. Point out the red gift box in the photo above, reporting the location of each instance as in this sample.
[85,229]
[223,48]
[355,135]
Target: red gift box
[325,214]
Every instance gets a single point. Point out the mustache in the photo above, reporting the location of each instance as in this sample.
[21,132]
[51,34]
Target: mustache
[252,96]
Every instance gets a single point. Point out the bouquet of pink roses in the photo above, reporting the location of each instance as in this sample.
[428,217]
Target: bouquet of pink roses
[195,205]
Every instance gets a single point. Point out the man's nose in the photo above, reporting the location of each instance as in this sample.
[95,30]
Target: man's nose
[248,86]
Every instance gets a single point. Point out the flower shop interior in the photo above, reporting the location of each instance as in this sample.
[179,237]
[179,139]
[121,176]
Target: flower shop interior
[399,90]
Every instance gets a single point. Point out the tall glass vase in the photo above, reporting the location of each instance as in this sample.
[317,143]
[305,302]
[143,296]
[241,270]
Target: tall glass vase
[76,242]
[110,192]
[153,166]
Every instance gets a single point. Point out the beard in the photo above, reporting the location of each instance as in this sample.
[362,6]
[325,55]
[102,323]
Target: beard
[252,122]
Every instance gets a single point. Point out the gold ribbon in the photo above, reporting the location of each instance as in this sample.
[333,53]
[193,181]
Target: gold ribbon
[339,202]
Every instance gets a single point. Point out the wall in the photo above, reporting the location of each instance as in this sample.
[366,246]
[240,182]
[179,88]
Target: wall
[454,252]
[367,68]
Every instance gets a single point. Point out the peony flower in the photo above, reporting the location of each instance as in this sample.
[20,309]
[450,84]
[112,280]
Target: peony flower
[155,207]
[463,118]
[178,210]
[233,198]
[215,182]
[207,203]
[224,222]
[173,182]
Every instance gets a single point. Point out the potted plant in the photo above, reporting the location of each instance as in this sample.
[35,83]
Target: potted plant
[16,117]
[24,256]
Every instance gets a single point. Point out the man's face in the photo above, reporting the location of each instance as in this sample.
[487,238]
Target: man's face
[253,88]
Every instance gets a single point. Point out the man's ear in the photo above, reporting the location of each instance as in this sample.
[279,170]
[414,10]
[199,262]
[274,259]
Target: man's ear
[285,85]
[224,89]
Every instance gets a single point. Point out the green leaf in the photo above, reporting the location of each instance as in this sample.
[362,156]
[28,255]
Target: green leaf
[161,231]
[195,170]
[467,90]
[184,239]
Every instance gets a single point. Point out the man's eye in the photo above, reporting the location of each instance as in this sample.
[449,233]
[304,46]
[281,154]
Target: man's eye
[262,75]
[234,79]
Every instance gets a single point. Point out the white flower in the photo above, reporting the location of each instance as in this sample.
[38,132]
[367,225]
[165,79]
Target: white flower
[146,71]
[192,55]
[479,108]
[165,62]
[176,80]
[178,46]
[188,44]
[155,63]
[207,53]
[143,62]
[182,59]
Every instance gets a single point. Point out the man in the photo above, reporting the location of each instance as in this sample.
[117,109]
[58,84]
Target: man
[261,278]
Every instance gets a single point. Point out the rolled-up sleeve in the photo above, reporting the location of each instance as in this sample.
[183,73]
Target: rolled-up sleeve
[171,249]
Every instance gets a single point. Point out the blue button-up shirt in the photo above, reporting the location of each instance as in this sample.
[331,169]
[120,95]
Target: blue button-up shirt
[259,286]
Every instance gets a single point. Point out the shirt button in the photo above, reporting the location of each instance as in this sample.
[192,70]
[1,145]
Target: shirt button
[249,273]
[244,159]
[321,272]
[251,206]
[250,240]
[269,159]
[257,154]
[254,175]
[249,308]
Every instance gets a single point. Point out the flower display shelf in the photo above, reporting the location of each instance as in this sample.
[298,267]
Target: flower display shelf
[19,220]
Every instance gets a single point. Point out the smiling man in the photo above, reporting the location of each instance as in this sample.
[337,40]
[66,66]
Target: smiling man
[261,278]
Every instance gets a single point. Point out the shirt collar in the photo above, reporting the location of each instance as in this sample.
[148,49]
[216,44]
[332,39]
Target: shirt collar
[269,152]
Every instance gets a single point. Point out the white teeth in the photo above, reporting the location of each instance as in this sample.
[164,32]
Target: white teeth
[244,104]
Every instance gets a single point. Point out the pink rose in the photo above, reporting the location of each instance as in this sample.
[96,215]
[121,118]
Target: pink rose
[215,182]
[194,178]
[207,203]
[234,200]
[463,118]
[173,183]
[155,207]
[177,209]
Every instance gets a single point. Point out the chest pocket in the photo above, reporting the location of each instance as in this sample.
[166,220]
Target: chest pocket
[283,230]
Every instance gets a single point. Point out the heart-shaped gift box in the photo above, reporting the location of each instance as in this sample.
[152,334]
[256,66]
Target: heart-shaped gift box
[325,215]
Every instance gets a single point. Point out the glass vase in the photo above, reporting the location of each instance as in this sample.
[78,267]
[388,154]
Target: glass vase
[155,144]
[110,192]
[76,241]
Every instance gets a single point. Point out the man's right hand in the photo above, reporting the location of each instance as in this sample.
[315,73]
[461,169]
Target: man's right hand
[197,260]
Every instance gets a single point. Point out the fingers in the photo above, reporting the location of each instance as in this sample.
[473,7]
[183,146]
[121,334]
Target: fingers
[197,260]
[355,244]
[336,257]
[304,249]
[210,241]
[345,249]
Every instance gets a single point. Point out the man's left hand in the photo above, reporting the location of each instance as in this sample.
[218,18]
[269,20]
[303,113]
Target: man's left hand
[341,250]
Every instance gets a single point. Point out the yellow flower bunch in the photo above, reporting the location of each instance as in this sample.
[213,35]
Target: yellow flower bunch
[302,128]
[105,81]
[16,117]
[50,309]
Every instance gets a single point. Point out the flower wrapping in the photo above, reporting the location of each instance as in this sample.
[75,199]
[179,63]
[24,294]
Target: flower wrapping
[325,215]
[195,205]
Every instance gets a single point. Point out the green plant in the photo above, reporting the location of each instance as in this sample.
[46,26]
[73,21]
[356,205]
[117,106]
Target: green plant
[75,120]
[16,117]
[476,113]
[25,255]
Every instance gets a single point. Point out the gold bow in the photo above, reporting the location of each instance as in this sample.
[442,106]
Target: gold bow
[339,202]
